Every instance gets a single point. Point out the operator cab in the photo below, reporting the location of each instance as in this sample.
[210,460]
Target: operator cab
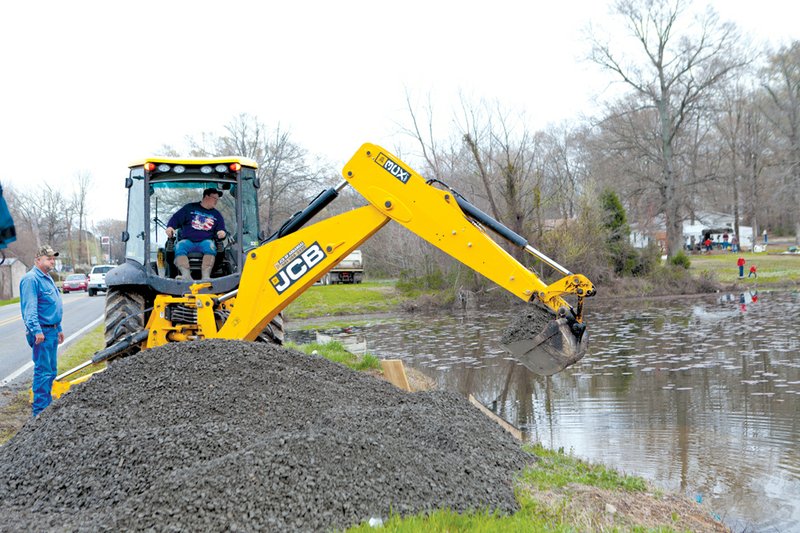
[158,187]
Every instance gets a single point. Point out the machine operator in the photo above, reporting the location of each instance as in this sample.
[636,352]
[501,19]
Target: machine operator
[199,223]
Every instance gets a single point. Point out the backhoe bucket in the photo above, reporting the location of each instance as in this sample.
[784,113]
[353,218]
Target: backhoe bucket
[561,344]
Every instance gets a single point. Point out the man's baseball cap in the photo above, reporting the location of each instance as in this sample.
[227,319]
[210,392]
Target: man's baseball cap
[46,250]
[206,192]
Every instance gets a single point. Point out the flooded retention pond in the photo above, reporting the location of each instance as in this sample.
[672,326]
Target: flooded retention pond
[701,396]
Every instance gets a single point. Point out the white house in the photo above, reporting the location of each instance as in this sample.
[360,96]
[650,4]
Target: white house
[709,224]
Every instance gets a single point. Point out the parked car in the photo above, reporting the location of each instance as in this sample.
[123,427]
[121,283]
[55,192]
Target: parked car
[75,282]
[97,278]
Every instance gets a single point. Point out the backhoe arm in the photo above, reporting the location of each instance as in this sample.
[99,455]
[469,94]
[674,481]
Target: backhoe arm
[440,217]
[279,271]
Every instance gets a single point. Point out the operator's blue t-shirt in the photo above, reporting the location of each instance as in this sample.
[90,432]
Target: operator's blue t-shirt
[196,222]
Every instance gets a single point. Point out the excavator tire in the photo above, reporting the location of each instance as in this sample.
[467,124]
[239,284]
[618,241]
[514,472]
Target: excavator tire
[274,332]
[126,308]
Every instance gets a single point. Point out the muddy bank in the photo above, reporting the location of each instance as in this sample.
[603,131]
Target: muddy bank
[233,435]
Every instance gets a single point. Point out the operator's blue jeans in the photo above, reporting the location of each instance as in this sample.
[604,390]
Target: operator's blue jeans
[206,247]
[45,367]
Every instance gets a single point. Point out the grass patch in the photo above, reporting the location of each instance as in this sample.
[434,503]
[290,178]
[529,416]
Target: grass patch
[82,350]
[9,302]
[556,469]
[327,300]
[336,352]
[772,269]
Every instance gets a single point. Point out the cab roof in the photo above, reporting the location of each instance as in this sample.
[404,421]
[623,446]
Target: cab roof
[244,161]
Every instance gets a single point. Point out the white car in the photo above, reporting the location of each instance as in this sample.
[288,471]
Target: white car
[97,278]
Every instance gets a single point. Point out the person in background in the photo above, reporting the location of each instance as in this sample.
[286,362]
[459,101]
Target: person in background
[740,263]
[765,236]
[735,244]
[40,303]
[752,271]
[199,223]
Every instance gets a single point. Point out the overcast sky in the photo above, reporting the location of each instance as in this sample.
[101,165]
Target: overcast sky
[92,86]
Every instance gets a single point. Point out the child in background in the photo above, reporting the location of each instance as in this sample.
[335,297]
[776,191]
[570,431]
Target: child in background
[752,271]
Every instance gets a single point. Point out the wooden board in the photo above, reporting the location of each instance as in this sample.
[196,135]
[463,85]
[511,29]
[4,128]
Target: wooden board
[395,373]
[516,433]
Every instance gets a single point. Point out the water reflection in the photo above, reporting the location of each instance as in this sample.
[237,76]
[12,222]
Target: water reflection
[700,396]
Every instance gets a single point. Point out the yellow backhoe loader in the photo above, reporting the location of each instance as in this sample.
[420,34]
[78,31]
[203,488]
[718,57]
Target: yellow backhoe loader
[277,269]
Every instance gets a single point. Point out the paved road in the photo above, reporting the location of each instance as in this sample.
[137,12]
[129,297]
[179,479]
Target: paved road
[80,311]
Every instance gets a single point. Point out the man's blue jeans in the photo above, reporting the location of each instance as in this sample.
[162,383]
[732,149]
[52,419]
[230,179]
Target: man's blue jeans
[45,367]
[206,247]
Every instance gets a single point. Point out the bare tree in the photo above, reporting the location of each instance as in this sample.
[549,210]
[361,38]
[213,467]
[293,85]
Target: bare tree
[782,83]
[80,196]
[565,166]
[672,79]
[45,210]
[744,136]
[507,161]
[288,175]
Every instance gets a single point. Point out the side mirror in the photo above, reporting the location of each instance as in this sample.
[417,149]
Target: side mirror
[125,235]
[256,183]
[128,182]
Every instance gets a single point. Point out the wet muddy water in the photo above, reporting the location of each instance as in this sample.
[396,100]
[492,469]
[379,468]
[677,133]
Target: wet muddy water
[700,396]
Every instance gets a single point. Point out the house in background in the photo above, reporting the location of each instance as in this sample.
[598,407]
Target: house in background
[11,271]
[707,224]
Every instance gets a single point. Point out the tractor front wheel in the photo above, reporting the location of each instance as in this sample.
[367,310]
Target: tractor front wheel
[124,316]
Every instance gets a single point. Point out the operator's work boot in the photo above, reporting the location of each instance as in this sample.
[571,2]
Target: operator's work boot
[182,262]
[207,266]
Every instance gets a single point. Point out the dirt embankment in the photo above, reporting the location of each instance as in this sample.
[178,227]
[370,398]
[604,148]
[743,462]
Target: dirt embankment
[216,435]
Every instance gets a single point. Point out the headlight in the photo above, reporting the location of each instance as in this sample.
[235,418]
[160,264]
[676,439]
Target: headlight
[163,167]
[221,168]
[179,169]
[205,169]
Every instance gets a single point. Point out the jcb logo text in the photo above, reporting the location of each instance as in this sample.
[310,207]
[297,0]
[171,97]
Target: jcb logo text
[299,267]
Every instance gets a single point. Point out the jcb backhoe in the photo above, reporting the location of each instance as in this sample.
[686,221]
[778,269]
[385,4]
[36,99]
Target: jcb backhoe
[260,278]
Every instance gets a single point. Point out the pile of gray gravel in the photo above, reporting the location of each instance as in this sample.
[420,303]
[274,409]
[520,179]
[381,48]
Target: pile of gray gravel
[231,435]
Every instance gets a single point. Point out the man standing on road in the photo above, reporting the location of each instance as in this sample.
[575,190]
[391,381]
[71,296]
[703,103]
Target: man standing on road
[40,303]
